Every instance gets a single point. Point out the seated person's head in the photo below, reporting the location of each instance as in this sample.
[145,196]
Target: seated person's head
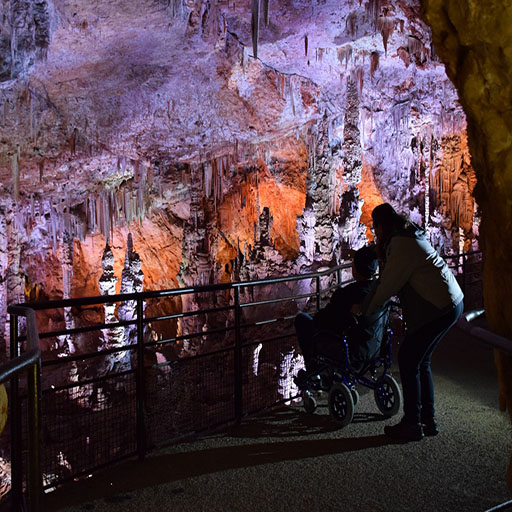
[364,263]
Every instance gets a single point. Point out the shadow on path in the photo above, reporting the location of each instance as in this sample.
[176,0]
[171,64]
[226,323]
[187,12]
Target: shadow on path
[173,467]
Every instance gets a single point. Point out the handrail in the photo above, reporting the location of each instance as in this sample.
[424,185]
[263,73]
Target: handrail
[121,297]
[30,360]
[32,354]
[484,335]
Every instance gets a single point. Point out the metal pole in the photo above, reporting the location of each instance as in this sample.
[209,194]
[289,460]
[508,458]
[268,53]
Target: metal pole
[464,267]
[338,276]
[34,424]
[140,394]
[16,440]
[238,359]
[318,293]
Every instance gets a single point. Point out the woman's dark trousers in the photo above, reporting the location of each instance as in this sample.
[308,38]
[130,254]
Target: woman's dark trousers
[414,362]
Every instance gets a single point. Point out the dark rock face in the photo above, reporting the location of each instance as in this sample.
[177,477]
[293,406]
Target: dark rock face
[25,35]
[474,41]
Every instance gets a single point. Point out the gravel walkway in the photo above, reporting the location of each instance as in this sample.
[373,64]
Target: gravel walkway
[288,460]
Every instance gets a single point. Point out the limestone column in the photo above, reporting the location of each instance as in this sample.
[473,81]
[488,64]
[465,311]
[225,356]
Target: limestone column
[131,282]
[4,333]
[66,341]
[15,280]
[112,337]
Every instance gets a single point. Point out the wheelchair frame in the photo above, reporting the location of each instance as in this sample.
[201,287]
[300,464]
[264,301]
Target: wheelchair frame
[341,383]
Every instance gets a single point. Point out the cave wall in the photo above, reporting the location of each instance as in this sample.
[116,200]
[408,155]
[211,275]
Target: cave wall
[219,165]
[475,41]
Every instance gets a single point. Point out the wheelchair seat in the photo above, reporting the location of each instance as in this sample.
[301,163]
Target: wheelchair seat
[344,360]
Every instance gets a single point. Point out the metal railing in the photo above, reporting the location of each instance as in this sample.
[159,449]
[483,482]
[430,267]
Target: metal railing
[122,424]
[468,269]
[92,408]
[29,362]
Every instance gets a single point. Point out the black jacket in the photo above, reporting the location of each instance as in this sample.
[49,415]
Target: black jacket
[364,333]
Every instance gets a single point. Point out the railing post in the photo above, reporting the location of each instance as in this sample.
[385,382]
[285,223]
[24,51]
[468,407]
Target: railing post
[318,294]
[140,394]
[34,441]
[338,276]
[464,268]
[238,359]
[16,440]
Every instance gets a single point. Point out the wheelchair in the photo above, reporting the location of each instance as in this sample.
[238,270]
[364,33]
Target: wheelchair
[337,376]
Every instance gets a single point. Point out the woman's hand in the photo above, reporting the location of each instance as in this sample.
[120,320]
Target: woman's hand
[356,309]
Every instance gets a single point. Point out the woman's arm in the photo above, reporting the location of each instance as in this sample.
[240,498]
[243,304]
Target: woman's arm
[397,271]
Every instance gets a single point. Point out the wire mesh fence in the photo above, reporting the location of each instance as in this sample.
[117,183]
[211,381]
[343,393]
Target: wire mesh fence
[185,362]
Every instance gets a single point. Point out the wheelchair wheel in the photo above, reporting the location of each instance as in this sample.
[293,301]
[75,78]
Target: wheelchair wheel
[355,395]
[388,396]
[341,404]
[309,402]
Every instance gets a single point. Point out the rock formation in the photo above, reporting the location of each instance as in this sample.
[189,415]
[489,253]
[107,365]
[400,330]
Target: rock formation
[475,41]
[228,153]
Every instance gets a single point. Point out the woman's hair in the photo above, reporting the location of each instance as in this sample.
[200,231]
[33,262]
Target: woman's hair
[387,217]
[390,222]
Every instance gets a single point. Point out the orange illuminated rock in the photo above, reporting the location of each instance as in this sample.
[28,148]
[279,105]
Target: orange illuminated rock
[371,196]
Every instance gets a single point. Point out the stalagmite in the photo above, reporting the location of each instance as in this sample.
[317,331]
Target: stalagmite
[66,342]
[428,170]
[131,282]
[113,336]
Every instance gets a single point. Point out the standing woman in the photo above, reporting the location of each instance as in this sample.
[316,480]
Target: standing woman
[431,300]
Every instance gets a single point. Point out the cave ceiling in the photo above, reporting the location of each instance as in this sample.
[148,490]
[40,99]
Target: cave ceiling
[86,84]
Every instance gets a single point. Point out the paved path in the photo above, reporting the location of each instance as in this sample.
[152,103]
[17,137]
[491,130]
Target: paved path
[288,460]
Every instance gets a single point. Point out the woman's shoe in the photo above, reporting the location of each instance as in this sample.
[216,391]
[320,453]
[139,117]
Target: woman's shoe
[405,431]
[430,427]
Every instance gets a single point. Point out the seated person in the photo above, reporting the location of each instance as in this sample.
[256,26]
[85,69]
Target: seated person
[315,334]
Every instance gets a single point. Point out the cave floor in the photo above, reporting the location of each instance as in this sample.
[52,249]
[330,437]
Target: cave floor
[287,459]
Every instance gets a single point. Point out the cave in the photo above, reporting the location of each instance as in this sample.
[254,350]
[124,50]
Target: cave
[161,144]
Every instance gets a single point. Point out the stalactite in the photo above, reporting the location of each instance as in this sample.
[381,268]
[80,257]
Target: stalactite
[400,115]
[15,176]
[290,88]
[31,117]
[72,141]
[319,54]
[266,12]
[255,26]
[306,45]
[207,180]
[13,50]
[374,63]
[351,24]
[359,79]
[372,8]
[243,60]
[41,170]
[344,54]
[386,26]
[415,46]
